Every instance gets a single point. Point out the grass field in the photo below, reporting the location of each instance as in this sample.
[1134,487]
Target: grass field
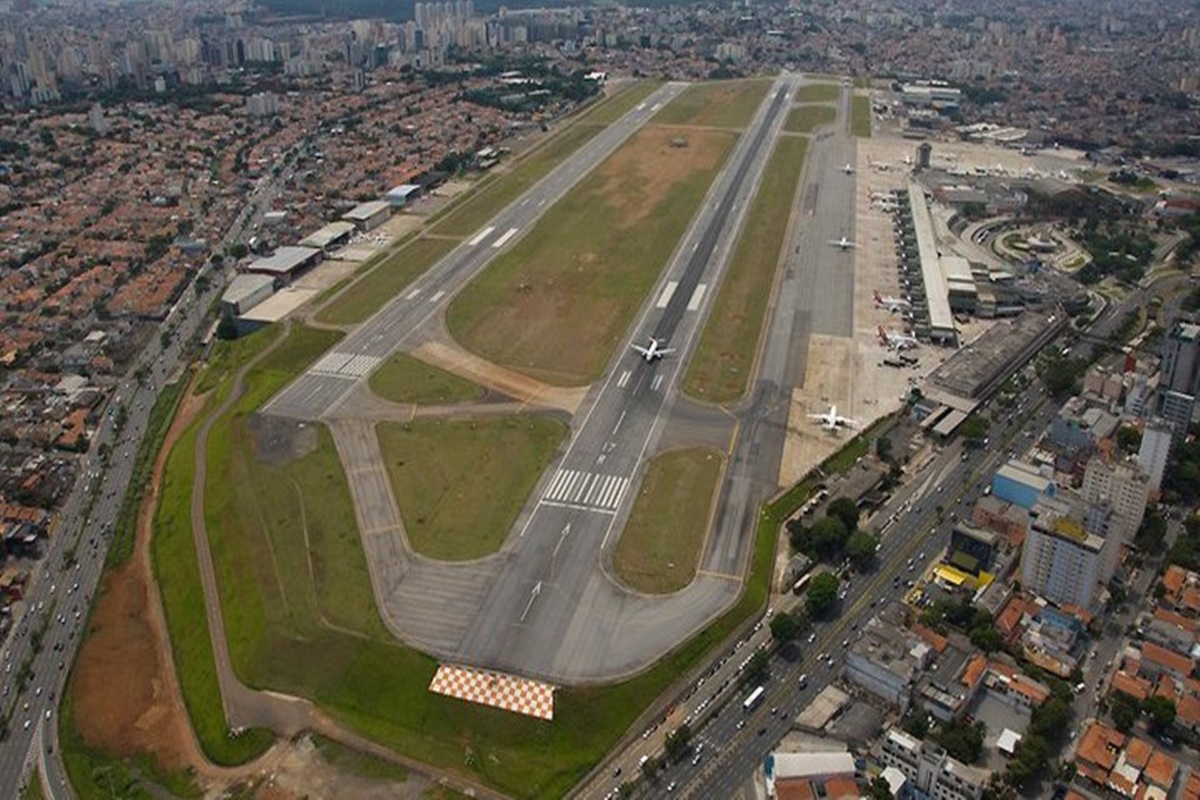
[404,379]
[390,277]
[818,93]
[34,790]
[461,483]
[359,675]
[860,117]
[660,548]
[557,304]
[721,367]
[721,104]
[807,118]
[364,765]
[469,214]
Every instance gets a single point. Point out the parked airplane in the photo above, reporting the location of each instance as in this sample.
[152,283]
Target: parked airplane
[879,165]
[896,341]
[843,243]
[653,351]
[831,421]
[848,169]
[892,304]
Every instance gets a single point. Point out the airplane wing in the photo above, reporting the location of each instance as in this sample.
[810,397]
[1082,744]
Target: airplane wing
[645,351]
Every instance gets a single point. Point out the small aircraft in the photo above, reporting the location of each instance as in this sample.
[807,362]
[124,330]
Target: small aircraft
[831,420]
[843,243]
[891,304]
[654,351]
[848,169]
[896,341]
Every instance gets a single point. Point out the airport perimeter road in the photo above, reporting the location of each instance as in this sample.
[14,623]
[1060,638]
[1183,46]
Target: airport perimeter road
[553,612]
[328,382]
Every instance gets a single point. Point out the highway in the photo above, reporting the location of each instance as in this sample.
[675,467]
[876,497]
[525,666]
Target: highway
[58,600]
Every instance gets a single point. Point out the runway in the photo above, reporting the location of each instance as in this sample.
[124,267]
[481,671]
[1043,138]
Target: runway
[325,384]
[544,606]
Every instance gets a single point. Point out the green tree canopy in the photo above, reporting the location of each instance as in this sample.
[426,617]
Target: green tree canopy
[822,595]
[860,547]
[845,509]
[784,627]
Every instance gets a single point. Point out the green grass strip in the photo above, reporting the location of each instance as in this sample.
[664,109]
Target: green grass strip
[719,372]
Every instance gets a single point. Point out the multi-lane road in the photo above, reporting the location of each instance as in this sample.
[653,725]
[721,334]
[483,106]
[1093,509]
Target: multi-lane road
[57,602]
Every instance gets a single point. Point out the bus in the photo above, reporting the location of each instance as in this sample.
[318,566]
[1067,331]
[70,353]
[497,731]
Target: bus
[753,699]
[799,585]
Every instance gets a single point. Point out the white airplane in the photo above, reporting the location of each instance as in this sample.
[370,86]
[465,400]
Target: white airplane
[843,243]
[896,341]
[848,169]
[891,304]
[831,421]
[653,351]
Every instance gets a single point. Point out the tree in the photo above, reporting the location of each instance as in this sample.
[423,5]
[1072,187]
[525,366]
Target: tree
[884,448]
[1161,711]
[678,743]
[1027,761]
[1124,711]
[650,768]
[861,549]
[1129,439]
[916,723]
[974,429]
[879,789]
[758,668]
[845,509]
[987,638]
[784,627]
[822,595]
[827,537]
[961,740]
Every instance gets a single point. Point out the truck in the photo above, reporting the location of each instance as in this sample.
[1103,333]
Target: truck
[753,699]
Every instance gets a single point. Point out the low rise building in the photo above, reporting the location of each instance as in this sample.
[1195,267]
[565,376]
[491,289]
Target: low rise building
[369,216]
[886,661]
[1022,484]
[244,292]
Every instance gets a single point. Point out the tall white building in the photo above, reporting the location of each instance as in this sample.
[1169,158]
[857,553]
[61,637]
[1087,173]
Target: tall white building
[1154,452]
[1067,556]
[929,771]
[1124,487]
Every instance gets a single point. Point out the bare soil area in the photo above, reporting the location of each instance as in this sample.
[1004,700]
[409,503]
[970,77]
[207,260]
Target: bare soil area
[126,699]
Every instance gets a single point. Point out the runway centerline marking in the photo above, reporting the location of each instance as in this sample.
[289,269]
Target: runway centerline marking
[483,234]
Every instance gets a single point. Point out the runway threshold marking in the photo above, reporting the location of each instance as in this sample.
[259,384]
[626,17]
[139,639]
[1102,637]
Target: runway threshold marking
[479,237]
[657,382]
[412,294]
[437,297]
[667,292]
[503,240]
[624,379]
[591,491]
[720,575]
[697,296]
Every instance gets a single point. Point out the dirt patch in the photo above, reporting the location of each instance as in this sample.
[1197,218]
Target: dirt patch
[303,773]
[638,177]
[454,359]
[279,440]
[125,698]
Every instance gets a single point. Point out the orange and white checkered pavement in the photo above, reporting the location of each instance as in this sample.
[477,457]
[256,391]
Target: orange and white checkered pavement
[507,692]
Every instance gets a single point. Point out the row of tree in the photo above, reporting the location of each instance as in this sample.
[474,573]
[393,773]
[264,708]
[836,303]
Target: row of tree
[834,536]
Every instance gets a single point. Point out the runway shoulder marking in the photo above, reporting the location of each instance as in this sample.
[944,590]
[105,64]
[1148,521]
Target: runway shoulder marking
[697,297]
[345,365]
[667,292]
[503,240]
[483,234]
[588,491]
